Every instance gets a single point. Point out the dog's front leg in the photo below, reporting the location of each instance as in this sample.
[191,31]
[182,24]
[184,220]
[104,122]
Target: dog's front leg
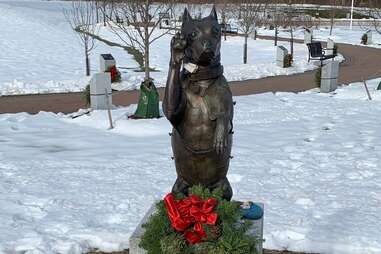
[173,97]
[220,136]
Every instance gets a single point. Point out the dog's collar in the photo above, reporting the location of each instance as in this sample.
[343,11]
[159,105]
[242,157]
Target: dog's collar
[191,67]
[196,73]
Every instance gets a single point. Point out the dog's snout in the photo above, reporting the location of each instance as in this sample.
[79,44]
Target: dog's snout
[207,45]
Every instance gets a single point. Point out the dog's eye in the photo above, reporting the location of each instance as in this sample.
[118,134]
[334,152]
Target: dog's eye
[194,34]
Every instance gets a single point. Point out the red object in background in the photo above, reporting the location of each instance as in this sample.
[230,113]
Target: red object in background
[114,73]
[187,215]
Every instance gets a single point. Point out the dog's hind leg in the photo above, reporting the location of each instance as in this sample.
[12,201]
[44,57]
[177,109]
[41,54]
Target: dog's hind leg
[224,185]
[180,186]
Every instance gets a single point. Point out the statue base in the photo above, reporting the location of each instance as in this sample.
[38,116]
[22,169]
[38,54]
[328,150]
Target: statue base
[255,230]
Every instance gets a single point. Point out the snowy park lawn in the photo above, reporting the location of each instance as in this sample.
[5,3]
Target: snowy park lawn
[41,54]
[340,34]
[70,185]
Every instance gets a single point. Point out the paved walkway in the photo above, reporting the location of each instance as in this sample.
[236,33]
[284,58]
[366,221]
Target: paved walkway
[361,62]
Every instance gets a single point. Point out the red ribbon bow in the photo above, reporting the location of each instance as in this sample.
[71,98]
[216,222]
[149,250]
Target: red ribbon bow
[114,73]
[191,211]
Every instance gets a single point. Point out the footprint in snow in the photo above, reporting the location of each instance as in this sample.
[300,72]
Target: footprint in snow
[309,139]
[14,128]
[328,126]
[305,202]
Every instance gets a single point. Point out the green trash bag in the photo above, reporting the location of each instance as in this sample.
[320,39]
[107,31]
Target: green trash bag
[379,86]
[148,106]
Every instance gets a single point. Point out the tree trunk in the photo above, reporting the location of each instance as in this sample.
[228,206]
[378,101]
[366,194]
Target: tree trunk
[330,30]
[245,50]
[111,11]
[146,62]
[146,43]
[104,14]
[224,22]
[332,17]
[224,29]
[87,60]
[97,11]
[319,21]
[276,37]
[292,42]
[331,22]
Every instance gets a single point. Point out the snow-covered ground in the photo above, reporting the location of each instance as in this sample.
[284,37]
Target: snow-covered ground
[68,185]
[40,53]
[340,34]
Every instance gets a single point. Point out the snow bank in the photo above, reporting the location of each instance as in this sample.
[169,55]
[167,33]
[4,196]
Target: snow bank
[68,185]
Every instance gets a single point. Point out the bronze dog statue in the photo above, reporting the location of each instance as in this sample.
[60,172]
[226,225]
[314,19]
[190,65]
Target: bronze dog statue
[198,103]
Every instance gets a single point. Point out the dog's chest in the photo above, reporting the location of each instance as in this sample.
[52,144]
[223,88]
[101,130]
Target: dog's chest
[203,102]
[197,109]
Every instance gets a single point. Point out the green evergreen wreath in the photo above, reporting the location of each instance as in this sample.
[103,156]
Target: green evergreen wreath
[228,236]
[116,76]
[86,95]
[287,61]
[364,39]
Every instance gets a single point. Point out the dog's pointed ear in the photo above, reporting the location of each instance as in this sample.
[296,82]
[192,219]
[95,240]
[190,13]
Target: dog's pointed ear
[186,16]
[213,13]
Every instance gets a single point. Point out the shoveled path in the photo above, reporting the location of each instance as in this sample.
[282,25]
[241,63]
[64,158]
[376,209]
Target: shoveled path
[361,62]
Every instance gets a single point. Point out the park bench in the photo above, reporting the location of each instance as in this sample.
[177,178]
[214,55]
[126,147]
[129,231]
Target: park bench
[316,52]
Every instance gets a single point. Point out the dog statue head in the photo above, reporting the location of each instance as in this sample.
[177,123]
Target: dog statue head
[203,38]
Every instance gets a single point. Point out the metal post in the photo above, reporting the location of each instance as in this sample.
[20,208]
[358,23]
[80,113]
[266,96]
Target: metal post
[351,23]
[109,109]
[367,90]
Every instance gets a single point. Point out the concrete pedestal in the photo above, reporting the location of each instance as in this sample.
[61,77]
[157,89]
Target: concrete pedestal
[100,82]
[370,37]
[329,76]
[281,53]
[308,36]
[105,62]
[255,230]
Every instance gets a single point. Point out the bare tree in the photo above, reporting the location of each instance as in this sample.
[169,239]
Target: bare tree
[224,10]
[333,12]
[249,15]
[294,18]
[374,12]
[82,18]
[97,11]
[276,18]
[140,29]
[105,10]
